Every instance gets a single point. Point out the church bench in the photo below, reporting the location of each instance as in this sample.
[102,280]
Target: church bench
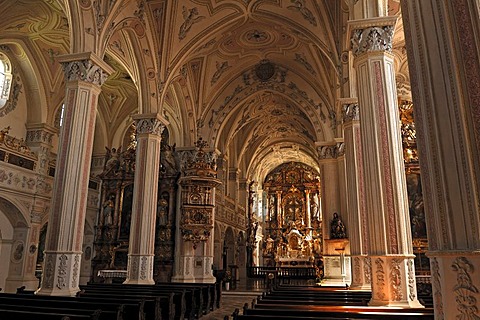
[189,305]
[29,315]
[336,312]
[124,309]
[209,292]
[169,305]
[15,311]
[204,295]
[331,302]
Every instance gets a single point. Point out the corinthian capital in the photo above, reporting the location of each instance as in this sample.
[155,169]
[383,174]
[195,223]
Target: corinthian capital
[149,125]
[85,67]
[350,112]
[372,39]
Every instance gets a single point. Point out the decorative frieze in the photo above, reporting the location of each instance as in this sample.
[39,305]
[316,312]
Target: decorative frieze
[372,39]
[465,290]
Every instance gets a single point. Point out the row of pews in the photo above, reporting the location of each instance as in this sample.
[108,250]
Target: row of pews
[162,301]
[310,302]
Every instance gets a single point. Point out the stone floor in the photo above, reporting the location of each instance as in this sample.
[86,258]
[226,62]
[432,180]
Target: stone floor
[236,297]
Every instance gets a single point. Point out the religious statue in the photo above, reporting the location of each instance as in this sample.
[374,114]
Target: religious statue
[112,160]
[269,246]
[337,228]
[108,209]
[167,160]
[3,133]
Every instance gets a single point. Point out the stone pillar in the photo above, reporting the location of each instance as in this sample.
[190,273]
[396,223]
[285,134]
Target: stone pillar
[334,251]
[443,55]
[84,74]
[390,245]
[233,184]
[141,249]
[39,139]
[356,206]
[330,185]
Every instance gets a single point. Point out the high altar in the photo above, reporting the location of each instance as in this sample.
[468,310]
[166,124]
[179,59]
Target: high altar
[293,221]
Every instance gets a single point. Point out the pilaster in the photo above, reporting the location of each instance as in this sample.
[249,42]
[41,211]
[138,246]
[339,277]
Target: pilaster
[39,139]
[141,249]
[356,206]
[84,74]
[443,57]
[390,246]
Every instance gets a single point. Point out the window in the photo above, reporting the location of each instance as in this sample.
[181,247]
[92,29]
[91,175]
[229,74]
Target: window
[5,79]
[59,117]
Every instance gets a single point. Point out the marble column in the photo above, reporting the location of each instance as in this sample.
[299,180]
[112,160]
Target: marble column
[390,245]
[443,55]
[141,249]
[84,74]
[356,205]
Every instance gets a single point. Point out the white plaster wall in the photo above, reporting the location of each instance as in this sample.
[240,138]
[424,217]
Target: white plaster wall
[6,240]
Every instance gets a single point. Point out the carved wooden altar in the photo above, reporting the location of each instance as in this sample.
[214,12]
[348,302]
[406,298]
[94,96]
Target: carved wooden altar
[114,216]
[293,231]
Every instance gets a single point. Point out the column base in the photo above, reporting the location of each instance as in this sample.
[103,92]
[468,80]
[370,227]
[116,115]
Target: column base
[393,282]
[61,274]
[361,273]
[30,283]
[455,283]
[193,269]
[140,269]
[335,274]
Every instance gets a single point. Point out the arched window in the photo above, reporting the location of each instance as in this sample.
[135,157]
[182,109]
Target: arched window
[58,122]
[5,79]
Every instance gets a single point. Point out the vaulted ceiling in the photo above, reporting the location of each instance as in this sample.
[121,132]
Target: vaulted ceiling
[259,80]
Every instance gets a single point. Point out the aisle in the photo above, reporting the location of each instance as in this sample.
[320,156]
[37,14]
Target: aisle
[236,298]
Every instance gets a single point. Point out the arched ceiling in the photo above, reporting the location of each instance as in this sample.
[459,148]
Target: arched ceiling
[259,80]
[261,77]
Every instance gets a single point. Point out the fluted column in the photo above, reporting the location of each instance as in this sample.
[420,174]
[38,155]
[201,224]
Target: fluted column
[389,243]
[84,74]
[356,206]
[444,62]
[141,249]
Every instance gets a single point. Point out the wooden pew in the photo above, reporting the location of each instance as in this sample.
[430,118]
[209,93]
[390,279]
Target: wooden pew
[124,309]
[192,305]
[31,315]
[156,306]
[335,312]
[69,305]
